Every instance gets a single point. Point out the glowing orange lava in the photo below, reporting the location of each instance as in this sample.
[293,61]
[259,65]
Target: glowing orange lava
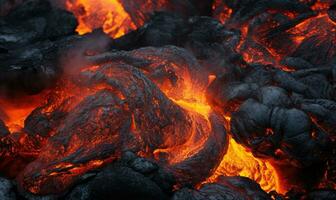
[321,5]
[320,26]
[237,161]
[14,112]
[193,100]
[225,11]
[108,14]
[115,17]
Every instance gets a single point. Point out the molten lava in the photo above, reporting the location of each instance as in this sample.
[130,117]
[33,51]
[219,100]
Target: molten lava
[14,112]
[164,118]
[237,161]
[267,40]
[116,17]
[264,115]
[109,14]
[320,26]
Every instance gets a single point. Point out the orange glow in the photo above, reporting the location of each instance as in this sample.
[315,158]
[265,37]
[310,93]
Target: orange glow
[287,69]
[255,47]
[320,26]
[192,100]
[188,97]
[238,161]
[14,112]
[111,15]
[225,11]
[320,5]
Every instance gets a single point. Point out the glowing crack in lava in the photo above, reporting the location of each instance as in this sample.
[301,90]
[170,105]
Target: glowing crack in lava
[267,40]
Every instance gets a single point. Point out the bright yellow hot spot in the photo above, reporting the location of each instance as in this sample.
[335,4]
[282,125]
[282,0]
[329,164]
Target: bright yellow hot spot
[195,106]
[238,161]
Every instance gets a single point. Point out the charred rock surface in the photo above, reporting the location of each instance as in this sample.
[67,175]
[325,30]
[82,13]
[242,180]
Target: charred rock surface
[206,38]
[34,39]
[320,195]
[260,117]
[7,189]
[29,35]
[141,179]
[226,188]
[272,116]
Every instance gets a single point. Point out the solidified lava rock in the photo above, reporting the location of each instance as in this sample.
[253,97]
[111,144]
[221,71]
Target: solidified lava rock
[28,45]
[204,36]
[224,188]
[131,177]
[6,189]
[322,194]
[282,116]
[268,131]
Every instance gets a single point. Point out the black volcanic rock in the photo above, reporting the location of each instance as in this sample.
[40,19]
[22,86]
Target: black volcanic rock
[121,181]
[3,129]
[291,131]
[320,194]
[237,188]
[124,183]
[6,189]
[332,12]
[31,35]
[33,21]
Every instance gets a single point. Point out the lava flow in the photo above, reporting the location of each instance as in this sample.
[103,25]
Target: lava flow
[238,103]
[237,161]
[176,132]
[116,17]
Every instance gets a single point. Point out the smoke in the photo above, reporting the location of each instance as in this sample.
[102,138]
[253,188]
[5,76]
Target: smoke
[73,59]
